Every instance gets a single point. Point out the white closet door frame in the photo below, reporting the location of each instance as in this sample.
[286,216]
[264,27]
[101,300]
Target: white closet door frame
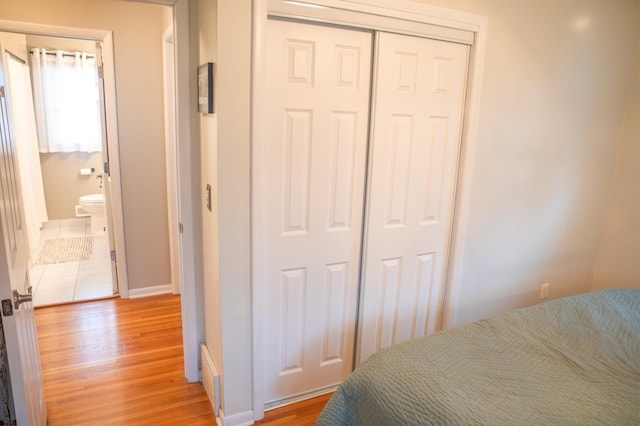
[404,17]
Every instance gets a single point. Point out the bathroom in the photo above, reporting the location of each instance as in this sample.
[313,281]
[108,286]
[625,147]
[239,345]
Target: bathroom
[63,188]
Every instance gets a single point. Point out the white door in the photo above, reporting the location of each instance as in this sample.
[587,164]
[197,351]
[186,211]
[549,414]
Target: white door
[106,174]
[18,321]
[314,169]
[417,123]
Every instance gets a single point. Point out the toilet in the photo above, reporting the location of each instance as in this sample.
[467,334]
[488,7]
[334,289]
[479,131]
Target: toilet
[94,205]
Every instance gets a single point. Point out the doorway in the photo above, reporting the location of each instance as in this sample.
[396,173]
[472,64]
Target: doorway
[61,166]
[192,314]
[191,333]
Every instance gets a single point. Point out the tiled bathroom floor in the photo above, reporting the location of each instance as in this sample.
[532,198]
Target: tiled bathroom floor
[72,281]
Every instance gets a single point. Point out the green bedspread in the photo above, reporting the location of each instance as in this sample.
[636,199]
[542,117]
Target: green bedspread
[571,361]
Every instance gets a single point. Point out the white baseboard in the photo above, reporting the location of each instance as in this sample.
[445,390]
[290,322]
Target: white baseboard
[210,378]
[240,419]
[149,291]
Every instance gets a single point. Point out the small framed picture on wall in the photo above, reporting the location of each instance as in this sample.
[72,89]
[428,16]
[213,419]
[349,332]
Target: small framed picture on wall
[205,88]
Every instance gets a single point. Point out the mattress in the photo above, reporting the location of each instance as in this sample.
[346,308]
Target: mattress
[571,361]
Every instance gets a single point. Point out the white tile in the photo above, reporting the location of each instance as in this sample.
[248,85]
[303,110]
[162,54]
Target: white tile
[99,257]
[94,277]
[61,270]
[48,234]
[104,282]
[35,274]
[56,282]
[99,250]
[73,281]
[73,223]
[71,232]
[52,224]
[94,291]
[35,252]
[100,238]
[99,254]
[100,242]
[97,265]
[53,297]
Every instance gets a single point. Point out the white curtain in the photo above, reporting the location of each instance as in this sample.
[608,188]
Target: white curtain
[35,208]
[65,94]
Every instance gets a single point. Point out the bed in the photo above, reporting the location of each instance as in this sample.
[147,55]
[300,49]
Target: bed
[571,361]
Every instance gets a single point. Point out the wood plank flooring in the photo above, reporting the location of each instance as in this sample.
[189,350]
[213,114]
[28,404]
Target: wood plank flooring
[117,362]
[302,413]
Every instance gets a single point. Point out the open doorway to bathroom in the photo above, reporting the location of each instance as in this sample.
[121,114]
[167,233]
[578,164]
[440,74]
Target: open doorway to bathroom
[57,110]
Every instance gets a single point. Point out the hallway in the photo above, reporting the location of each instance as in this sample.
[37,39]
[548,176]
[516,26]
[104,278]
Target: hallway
[119,362]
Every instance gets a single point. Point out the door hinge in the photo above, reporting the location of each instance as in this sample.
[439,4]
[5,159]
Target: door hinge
[100,71]
[113,255]
[106,168]
[7,308]
[180,228]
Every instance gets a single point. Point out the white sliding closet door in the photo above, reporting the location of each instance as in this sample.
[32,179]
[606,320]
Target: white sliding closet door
[314,166]
[418,108]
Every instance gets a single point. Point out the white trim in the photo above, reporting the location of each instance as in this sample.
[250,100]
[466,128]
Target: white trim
[465,175]
[171,153]
[106,37]
[302,397]
[113,143]
[135,293]
[192,319]
[403,10]
[258,96]
[407,10]
[241,419]
[376,19]
[52,30]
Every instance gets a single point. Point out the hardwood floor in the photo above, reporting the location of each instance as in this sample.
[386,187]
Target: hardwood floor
[120,362]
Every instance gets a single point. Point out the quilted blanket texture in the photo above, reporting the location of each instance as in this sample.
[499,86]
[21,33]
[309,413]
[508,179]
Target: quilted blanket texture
[571,361]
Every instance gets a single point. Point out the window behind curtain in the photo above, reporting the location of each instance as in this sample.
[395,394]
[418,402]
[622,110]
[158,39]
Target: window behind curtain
[65,91]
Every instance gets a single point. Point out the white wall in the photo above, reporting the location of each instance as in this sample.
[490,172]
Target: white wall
[619,260]
[63,184]
[60,43]
[556,80]
[207,11]
[234,171]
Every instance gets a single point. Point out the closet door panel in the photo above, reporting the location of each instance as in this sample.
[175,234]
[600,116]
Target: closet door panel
[315,154]
[417,122]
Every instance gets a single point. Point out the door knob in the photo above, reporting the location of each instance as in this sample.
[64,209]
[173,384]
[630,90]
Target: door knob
[19,299]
